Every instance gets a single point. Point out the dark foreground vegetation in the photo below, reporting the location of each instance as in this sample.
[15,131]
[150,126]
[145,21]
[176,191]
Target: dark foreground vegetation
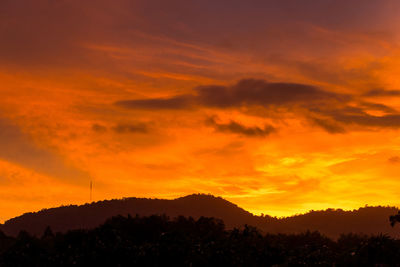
[159,241]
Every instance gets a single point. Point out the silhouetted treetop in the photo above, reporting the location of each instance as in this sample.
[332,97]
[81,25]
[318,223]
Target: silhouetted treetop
[185,241]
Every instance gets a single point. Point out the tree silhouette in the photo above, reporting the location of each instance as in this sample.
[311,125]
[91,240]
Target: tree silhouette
[394,219]
[184,241]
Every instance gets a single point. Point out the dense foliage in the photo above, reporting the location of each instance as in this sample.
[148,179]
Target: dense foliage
[159,241]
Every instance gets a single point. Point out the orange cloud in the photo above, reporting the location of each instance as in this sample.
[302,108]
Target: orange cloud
[303,101]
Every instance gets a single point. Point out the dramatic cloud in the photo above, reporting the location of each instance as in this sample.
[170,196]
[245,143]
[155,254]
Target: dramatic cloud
[245,93]
[259,92]
[329,110]
[325,76]
[237,128]
[18,148]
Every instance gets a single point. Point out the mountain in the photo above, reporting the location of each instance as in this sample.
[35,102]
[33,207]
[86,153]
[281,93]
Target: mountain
[367,220]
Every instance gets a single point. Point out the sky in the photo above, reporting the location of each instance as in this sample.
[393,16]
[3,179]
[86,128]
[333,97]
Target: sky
[279,106]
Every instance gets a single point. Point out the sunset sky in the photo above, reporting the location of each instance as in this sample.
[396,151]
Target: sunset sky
[279,106]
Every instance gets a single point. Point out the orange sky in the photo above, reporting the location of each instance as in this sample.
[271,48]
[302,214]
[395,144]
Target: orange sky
[275,106]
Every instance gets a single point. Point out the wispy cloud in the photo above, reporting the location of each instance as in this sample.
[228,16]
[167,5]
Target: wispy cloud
[19,148]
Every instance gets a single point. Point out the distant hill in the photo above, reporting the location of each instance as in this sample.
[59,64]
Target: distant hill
[332,223]
[367,220]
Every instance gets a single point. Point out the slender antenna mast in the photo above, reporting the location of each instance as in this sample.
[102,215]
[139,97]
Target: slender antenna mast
[91,189]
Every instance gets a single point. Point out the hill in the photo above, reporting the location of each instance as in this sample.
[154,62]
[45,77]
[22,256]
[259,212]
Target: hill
[332,223]
[91,215]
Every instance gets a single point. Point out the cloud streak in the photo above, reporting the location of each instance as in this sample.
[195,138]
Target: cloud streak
[122,128]
[130,128]
[246,92]
[333,112]
[177,102]
[382,92]
[237,128]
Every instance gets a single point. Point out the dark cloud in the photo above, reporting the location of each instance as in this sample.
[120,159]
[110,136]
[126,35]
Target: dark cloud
[259,92]
[122,128]
[177,102]
[394,160]
[364,119]
[99,128]
[382,92]
[17,147]
[333,112]
[357,116]
[329,125]
[377,106]
[245,93]
[237,128]
[130,128]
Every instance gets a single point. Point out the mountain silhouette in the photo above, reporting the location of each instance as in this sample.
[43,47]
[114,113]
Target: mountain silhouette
[330,222]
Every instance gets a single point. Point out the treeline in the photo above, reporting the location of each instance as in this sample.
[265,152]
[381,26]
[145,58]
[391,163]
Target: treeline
[160,241]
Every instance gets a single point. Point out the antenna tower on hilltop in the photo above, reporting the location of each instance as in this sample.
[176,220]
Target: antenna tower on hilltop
[91,189]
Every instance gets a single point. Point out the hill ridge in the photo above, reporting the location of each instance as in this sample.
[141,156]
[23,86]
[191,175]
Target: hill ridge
[331,222]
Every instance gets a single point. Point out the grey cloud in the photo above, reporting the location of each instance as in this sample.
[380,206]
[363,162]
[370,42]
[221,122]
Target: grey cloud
[329,110]
[263,93]
[329,126]
[237,128]
[245,93]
